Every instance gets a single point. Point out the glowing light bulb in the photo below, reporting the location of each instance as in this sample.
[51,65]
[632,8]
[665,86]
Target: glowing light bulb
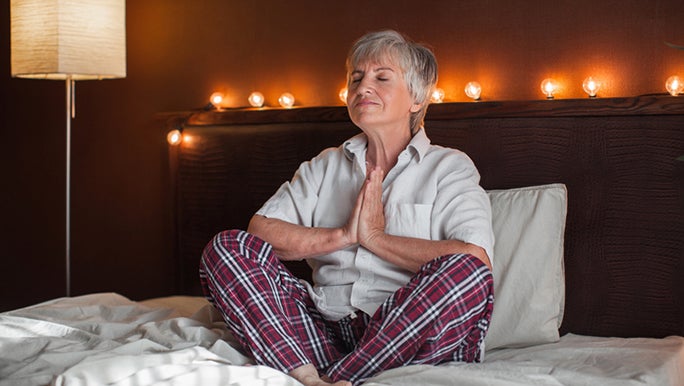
[174,137]
[674,85]
[437,96]
[343,95]
[591,87]
[473,90]
[256,99]
[286,100]
[216,99]
[549,87]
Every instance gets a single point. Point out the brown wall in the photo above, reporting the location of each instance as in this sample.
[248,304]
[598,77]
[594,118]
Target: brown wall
[179,52]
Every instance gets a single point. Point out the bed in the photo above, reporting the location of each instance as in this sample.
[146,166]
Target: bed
[588,202]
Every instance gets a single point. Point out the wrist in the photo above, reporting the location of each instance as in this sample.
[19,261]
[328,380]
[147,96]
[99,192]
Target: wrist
[345,238]
[374,241]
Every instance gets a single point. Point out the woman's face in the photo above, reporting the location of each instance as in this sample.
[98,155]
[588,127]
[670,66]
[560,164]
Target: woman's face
[378,97]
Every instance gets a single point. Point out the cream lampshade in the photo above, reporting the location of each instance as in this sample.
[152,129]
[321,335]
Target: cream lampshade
[68,40]
[58,39]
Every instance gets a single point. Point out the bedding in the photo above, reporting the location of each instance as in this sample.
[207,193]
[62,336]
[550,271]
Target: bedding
[108,339]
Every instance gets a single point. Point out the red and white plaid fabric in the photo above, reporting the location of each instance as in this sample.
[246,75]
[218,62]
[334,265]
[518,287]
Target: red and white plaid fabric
[441,315]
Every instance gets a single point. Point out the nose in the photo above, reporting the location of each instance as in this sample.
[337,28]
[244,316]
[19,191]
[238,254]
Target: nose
[364,87]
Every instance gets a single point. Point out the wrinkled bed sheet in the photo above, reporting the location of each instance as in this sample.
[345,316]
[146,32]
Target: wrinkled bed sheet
[108,339]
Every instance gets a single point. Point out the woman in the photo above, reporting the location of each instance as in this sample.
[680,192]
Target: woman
[397,231]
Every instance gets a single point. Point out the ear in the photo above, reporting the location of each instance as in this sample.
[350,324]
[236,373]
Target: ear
[415,107]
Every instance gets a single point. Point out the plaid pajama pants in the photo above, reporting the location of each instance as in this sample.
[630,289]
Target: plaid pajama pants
[441,315]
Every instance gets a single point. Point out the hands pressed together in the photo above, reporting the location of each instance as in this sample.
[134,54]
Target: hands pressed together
[367,220]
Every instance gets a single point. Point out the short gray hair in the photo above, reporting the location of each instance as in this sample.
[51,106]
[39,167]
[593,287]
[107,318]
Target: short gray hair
[416,61]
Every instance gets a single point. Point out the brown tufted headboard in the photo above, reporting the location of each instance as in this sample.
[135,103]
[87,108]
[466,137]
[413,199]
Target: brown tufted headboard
[624,244]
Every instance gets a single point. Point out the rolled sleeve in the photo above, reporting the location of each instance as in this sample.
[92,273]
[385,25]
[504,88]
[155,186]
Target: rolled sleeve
[462,210]
[296,200]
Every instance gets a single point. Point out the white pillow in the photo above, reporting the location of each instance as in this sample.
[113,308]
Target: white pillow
[529,281]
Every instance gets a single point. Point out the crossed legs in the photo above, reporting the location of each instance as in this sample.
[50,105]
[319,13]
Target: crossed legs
[441,315]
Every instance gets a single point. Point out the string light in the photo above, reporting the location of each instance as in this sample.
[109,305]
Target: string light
[549,87]
[256,99]
[287,100]
[591,87]
[216,99]
[473,90]
[343,95]
[674,85]
[174,137]
[437,96]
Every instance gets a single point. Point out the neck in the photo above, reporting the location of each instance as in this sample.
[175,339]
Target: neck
[384,150]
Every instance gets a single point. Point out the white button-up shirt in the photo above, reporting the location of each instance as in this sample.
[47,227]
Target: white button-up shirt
[431,193]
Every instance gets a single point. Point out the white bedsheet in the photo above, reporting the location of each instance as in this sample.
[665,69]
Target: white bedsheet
[575,360]
[108,339]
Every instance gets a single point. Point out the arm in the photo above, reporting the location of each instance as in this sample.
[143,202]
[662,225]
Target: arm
[406,252]
[296,242]
[411,253]
[285,220]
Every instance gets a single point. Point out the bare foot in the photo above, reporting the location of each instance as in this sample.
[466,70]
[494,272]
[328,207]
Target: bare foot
[308,375]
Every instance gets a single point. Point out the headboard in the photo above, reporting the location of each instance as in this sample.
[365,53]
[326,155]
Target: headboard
[624,241]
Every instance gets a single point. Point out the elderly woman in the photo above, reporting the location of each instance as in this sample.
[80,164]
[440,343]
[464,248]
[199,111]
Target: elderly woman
[397,231]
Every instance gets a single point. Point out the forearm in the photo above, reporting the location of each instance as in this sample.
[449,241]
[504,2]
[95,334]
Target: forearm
[411,253]
[296,242]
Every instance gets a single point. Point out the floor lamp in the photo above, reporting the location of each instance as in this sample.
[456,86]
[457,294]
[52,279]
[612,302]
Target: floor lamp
[68,40]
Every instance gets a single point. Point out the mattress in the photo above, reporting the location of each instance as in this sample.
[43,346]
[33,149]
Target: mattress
[108,339]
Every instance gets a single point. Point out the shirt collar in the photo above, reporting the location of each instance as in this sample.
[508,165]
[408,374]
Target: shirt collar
[356,146]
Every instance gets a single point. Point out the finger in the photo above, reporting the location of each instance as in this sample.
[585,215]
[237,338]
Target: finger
[372,205]
[374,189]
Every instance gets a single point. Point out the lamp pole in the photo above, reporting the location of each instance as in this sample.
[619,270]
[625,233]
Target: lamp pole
[69,114]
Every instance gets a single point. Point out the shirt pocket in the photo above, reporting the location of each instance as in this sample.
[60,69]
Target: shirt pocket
[409,220]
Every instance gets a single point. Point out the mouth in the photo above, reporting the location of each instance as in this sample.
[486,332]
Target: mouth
[364,103]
